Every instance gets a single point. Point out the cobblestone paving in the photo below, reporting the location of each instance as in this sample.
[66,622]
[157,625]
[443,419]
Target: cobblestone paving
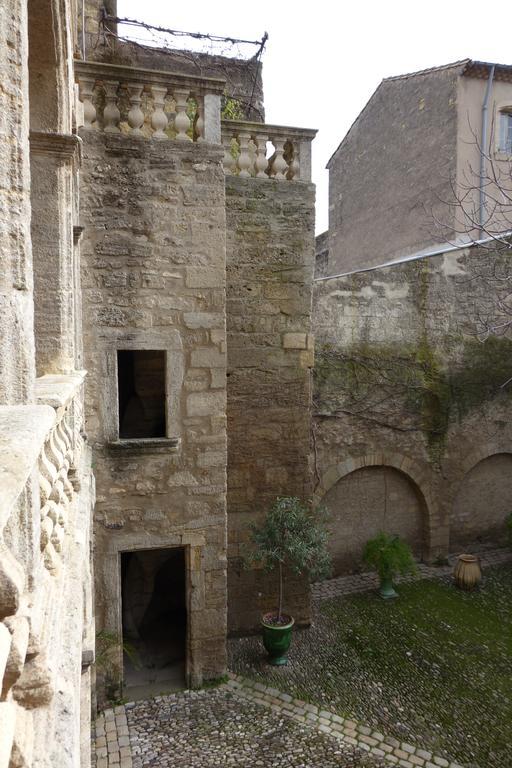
[112,742]
[249,724]
[219,728]
[349,731]
[361,582]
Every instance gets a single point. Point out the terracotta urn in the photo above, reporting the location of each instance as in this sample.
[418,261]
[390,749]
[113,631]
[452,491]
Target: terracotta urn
[467,572]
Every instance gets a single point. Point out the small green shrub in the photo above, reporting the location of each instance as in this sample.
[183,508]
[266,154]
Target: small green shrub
[389,555]
[290,536]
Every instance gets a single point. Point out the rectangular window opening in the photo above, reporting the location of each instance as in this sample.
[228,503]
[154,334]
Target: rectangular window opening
[141,391]
[506,132]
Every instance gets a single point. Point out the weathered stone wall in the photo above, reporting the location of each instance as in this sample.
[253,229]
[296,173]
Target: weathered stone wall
[322,254]
[270,259]
[404,380]
[46,500]
[153,257]
[392,172]
[46,493]
[17,364]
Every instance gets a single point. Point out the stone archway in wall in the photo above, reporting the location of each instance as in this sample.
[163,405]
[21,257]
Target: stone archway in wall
[482,503]
[368,496]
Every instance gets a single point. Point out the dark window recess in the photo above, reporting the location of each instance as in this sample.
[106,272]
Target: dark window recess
[141,388]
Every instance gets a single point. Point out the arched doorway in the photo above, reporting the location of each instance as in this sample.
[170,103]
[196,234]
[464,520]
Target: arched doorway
[483,503]
[369,500]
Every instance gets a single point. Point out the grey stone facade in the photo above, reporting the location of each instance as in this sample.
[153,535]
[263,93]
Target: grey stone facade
[153,278]
[411,415]
[270,251]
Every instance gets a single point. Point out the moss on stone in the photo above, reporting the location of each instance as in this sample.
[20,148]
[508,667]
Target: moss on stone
[418,382]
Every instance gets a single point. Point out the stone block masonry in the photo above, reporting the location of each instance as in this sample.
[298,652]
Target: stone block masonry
[270,256]
[412,414]
[153,277]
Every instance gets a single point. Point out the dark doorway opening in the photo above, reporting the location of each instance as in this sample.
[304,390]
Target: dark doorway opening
[141,388]
[154,620]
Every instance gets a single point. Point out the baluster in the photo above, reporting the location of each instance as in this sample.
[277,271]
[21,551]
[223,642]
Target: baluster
[199,126]
[261,162]
[294,166]
[46,531]
[87,85]
[57,537]
[229,161]
[182,120]
[111,113]
[279,164]
[244,159]
[159,118]
[135,115]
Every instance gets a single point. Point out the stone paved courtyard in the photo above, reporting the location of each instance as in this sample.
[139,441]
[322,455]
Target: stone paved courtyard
[217,728]
[431,669]
[247,723]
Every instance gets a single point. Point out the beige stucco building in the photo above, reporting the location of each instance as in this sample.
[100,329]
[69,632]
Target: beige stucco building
[407,176]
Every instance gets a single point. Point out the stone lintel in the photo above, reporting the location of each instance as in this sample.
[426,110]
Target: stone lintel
[66,146]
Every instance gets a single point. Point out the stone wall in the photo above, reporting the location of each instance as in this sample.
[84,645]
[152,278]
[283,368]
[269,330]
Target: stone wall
[45,592]
[322,254]
[270,259]
[153,257]
[17,363]
[391,173]
[406,380]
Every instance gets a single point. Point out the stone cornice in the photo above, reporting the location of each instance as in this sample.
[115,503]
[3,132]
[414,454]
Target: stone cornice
[66,146]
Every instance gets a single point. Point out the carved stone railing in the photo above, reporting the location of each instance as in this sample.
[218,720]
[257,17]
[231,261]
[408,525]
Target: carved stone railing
[40,445]
[149,103]
[267,151]
[59,460]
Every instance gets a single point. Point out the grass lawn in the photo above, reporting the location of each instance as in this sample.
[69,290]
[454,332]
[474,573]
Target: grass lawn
[433,668]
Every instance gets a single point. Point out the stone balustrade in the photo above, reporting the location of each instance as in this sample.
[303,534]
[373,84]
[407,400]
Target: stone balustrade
[149,103]
[40,447]
[58,460]
[267,151]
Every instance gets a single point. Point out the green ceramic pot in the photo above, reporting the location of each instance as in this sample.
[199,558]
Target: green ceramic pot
[386,590]
[277,639]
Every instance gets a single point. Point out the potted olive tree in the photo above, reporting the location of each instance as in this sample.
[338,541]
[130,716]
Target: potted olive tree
[389,555]
[290,538]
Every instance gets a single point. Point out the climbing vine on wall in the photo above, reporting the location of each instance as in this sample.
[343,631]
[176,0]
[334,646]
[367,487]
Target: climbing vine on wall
[411,388]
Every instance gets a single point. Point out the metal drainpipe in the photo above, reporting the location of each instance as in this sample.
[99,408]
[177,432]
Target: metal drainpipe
[483,149]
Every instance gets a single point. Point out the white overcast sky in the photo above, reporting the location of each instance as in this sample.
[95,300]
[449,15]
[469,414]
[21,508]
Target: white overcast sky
[323,60]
